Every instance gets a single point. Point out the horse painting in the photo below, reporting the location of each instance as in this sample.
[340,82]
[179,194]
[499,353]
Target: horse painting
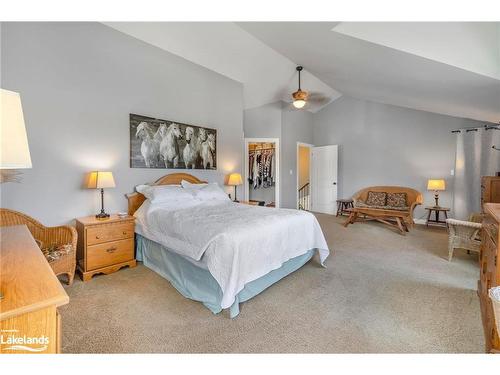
[208,151]
[169,148]
[150,146]
[190,152]
[156,143]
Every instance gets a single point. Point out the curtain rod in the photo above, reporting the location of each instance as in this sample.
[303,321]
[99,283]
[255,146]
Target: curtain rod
[485,127]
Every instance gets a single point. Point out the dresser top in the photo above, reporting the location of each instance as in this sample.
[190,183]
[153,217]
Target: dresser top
[92,220]
[27,281]
[494,210]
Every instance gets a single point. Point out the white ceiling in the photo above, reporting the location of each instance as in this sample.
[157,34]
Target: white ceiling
[447,68]
[473,46]
[376,72]
[225,48]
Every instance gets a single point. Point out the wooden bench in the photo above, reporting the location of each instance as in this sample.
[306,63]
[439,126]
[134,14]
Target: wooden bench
[392,218]
[402,220]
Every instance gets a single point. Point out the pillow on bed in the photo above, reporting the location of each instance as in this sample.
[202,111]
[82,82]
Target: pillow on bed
[164,193]
[211,192]
[188,185]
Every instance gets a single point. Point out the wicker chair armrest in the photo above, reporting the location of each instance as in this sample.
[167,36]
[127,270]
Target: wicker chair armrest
[357,199]
[463,223]
[60,235]
[464,229]
[476,217]
[412,207]
[414,204]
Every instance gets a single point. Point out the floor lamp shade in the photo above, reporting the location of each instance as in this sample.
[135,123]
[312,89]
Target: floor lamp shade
[14,150]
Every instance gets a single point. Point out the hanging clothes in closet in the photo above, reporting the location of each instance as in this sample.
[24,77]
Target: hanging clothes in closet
[262,168]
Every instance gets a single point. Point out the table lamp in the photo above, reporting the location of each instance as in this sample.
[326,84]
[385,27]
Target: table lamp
[235,180]
[101,180]
[436,185]
[14,150]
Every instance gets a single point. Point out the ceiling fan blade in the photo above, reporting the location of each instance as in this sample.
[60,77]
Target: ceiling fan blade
[318,98]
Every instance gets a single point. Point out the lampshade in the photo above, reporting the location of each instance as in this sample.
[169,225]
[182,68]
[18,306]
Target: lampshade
[100,180]
[235,179]
[436,185]
[14,150]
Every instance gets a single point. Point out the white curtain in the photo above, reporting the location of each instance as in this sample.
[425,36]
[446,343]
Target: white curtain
[475,157]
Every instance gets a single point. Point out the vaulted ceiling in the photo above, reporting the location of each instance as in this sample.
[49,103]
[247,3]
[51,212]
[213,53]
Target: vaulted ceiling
[447,68]
[267,76]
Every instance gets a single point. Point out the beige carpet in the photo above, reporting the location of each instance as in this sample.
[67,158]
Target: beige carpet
[381,292]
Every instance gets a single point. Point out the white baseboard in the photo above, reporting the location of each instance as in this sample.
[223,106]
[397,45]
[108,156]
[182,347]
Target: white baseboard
[420,221]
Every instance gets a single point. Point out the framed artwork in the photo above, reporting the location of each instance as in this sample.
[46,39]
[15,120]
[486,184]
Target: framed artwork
[156,143]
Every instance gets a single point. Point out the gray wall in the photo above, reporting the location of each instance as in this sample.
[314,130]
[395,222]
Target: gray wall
[78,84]
[262,122]
[277,120]
[297,126]
[80,81]
[387,145]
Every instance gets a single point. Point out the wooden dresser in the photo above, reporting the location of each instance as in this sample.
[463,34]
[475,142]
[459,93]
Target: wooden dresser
[104,246]
[29,321]
[490,189]
[489,272]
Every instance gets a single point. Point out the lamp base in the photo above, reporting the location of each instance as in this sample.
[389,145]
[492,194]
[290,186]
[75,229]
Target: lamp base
[102,216]
[436,198]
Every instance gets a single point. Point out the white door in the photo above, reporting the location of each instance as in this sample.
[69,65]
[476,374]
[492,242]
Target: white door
[324,161]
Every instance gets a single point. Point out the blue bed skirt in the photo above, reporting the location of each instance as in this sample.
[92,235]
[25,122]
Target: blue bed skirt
[198,284]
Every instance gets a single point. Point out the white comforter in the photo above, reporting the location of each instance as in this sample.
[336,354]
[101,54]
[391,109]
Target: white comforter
[239,243]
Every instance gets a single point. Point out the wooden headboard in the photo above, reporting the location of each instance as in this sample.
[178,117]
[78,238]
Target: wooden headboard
[136,199]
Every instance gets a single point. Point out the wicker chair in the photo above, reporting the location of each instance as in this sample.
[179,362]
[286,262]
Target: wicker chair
[47,237]
[464,234]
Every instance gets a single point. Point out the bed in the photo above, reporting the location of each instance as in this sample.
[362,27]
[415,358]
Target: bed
[216,251]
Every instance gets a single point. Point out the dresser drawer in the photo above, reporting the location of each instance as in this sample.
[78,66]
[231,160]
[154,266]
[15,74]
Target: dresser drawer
[109,253]
[112,232]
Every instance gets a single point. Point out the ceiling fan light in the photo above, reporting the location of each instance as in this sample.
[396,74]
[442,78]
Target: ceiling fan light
[299,103]
[299,96]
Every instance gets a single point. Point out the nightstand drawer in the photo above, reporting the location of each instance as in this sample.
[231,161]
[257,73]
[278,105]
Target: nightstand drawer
[109,253]
[110,232]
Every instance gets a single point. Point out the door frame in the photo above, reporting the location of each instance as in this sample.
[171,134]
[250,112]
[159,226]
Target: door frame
[277,153]
[303,144]
[336,182]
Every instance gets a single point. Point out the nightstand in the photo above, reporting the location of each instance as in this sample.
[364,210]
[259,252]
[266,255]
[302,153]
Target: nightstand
[104,246]
[436,211]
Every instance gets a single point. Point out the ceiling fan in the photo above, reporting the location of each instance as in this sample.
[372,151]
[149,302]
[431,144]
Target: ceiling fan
[301,97]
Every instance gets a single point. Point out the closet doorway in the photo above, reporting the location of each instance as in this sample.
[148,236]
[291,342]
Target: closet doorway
[262,171]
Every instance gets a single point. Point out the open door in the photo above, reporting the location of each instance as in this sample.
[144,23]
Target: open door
[324,165]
